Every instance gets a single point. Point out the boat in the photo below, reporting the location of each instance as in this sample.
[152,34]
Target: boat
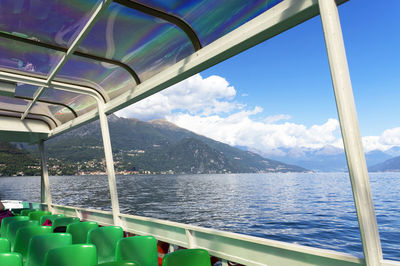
[66,63]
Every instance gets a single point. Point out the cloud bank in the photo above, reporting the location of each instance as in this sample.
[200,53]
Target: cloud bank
[208,107]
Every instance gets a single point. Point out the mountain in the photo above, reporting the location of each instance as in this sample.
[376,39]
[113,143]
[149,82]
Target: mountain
[15,161]
[326,159]
[391,165]
[156,146]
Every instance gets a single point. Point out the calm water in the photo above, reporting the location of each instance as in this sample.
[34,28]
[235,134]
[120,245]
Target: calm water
[311,209]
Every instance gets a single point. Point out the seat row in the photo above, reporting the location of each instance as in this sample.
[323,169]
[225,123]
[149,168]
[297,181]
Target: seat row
[84,243]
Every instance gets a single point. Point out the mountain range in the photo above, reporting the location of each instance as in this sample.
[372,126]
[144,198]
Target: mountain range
[333,159]
[159,146]
[151,147]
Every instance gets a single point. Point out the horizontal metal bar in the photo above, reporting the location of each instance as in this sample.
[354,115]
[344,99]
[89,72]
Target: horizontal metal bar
[77,53]
[20,112]
[50,102]
[14,77]
[177,21]
[234,247]
[30,118]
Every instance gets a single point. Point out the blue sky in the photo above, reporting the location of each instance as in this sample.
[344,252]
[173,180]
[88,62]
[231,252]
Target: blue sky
[281,89]
[290,73]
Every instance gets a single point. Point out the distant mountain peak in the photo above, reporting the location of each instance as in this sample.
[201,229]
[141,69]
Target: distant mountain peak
[163,123]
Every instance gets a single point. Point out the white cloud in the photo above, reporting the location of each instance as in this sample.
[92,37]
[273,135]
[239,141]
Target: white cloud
[388,139]
[195,95]
[240,129]
[207,106]
[275,118]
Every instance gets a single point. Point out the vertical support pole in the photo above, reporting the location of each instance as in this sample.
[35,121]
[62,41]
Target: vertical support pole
[350,132]
[45,195]
[109,163]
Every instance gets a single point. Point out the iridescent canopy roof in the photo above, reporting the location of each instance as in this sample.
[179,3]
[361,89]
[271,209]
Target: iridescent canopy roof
[122,50]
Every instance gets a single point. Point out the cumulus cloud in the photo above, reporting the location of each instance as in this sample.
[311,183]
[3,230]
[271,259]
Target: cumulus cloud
[276,118]
[208,107]
[195,95]
[388,139]
[240,129]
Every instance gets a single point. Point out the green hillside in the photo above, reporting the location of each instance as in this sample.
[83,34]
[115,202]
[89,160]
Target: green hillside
[151,147]
[14,161]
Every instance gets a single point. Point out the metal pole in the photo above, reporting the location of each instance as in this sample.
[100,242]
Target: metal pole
[45,195]
[109,163]
[350,132]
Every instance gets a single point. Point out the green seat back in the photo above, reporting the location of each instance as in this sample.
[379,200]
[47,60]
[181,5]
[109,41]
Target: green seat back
[25,234]
[39,245]
[4,245]
[10,259]
[142,249]
[27,211]
[120,263]
[64,221]
[72,255]
[7,220]
[50,217]
[80,230]
[37,214]
[13,227]
[187,257]
[105,239]
[18,211]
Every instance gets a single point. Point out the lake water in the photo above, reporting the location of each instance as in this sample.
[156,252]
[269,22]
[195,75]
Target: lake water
[313,209]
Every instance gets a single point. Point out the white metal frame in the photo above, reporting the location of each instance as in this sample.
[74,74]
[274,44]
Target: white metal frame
[247,250]
[45,194]
[350,132]
[276,20]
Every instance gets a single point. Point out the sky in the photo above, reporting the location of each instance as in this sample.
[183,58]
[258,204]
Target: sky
[278,95]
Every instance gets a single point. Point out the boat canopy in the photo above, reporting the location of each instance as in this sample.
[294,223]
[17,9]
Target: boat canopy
[60,59]
[64,63]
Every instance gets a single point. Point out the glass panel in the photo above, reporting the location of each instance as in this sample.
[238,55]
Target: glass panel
[145,43]
[81,104]
[78,102]
[113,79]
[56,113]
[212,19]
[27,58]
[50,21]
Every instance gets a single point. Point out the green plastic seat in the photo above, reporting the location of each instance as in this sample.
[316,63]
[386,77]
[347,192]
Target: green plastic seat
[27,211]
[18,211]
[7,220]
[5,245]
[72,255]
[37,215]
[187,257]
[80,230]
[25,234]
[39,245]
[142,249]
[63,222]
[10,259]
[50,217]
[13,227]
[105,239]
[120,263]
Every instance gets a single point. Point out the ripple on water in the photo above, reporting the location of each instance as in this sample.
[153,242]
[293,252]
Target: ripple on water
[313,209]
